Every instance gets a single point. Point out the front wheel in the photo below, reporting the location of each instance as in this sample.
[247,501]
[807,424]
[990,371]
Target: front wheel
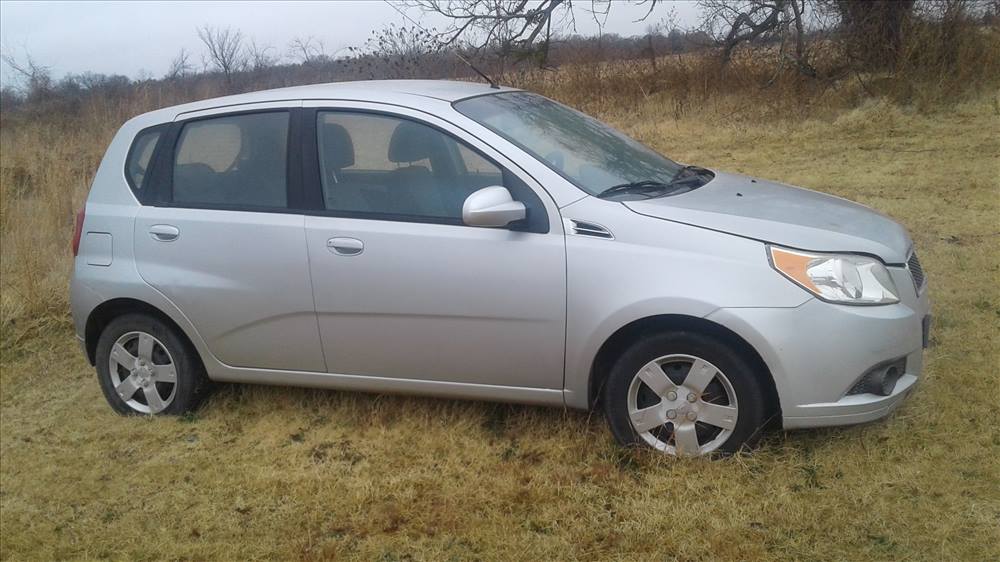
[684,394]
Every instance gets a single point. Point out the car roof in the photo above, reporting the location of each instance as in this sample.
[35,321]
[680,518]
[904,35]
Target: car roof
[402,92]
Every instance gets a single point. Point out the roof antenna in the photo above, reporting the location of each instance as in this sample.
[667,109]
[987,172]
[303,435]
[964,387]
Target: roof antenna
[468,63]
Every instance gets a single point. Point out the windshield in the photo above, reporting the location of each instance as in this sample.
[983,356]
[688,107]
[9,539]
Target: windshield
[585,151]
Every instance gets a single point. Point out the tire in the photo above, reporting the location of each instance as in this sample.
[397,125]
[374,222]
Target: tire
[653,381]
[166,365]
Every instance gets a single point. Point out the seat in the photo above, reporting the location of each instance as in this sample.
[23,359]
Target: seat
[197,182]
[416,186]
[337,150]
[260,176]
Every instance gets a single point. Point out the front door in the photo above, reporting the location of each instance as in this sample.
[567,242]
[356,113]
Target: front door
[402,288]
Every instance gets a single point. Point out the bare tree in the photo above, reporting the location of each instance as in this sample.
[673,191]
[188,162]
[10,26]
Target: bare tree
[33,78]
[260,56]
[225,50]
[736,22]
[180,66]
[307,50]
[516,28]
[397,52]
[874,30]
[401,41]
[871,32]
[507,26]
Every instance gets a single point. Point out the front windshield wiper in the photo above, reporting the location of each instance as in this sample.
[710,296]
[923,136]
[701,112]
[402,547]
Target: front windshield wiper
[680,175]
[645,186]
[652,186]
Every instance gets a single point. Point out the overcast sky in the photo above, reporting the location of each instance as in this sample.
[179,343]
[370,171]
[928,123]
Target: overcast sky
[141,38]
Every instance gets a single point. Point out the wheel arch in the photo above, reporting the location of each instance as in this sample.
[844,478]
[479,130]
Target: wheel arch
[104,313]
[615,344]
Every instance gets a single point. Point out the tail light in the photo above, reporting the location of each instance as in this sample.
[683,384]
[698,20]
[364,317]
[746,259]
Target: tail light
[78,232]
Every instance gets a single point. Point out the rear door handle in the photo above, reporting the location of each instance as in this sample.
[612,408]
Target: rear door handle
[344,246]
[164,232]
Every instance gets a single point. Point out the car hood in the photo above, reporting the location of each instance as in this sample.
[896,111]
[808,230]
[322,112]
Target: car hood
[782,214]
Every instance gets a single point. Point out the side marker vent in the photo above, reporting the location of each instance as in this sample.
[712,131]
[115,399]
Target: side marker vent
[584,228]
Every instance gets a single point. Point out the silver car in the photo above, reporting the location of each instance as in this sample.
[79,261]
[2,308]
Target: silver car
[463,241]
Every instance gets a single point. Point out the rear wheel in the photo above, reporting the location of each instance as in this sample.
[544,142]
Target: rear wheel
[145,367]
[684,394]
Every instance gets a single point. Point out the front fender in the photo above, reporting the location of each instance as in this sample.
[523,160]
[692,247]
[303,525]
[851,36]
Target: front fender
[580,356]
[654,267]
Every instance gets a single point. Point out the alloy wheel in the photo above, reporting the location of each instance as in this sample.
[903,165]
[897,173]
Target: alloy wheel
[682,405]
[143,372]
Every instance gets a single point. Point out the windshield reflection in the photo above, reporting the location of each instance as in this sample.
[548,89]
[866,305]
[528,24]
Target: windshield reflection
[585,151]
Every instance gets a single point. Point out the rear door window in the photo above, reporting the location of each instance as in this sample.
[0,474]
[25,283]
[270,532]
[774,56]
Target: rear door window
[235,161]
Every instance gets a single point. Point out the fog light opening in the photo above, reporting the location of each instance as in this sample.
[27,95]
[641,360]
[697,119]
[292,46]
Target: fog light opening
[889,380]
[880,380]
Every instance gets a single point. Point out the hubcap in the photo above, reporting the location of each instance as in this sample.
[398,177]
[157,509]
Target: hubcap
[143,372]
[682,405]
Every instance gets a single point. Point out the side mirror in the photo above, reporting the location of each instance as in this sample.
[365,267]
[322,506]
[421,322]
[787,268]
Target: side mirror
[492,206]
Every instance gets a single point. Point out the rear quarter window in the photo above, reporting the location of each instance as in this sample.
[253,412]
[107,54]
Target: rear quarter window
[140,156]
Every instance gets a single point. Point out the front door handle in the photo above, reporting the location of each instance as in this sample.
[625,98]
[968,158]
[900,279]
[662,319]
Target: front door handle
[344,246]
[164,232]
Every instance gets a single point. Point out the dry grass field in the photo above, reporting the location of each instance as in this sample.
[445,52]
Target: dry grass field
[277,473]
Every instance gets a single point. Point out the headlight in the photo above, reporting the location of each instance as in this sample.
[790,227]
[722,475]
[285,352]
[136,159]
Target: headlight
[840,278]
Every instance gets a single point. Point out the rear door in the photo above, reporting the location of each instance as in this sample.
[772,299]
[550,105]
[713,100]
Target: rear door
[403,289]
[220,236]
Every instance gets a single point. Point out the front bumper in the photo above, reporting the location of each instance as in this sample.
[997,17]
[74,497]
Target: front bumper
[818,351]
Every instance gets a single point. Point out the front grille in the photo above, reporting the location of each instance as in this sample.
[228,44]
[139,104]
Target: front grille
[917,272]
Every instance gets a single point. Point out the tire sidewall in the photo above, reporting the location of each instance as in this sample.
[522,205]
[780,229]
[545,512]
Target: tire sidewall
[188,368]
[745,381]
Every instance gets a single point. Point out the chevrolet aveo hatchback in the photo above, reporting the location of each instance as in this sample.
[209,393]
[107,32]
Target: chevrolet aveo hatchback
[458,240]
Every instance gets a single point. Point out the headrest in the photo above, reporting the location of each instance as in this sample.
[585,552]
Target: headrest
[336,146]
[411,142]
